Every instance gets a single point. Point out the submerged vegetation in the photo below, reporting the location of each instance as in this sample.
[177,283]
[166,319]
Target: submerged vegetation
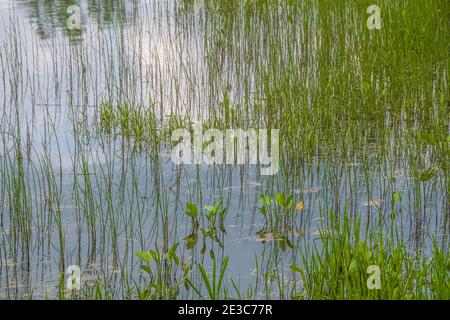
[86,123]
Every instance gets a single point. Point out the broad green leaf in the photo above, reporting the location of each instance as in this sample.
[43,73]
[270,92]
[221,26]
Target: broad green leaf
[296,269]
[281,199]
[191,210]
[299,206]
[191,241]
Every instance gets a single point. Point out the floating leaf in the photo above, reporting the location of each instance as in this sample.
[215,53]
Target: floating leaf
[299,206]
[285,242]
[146,269]
[289,202]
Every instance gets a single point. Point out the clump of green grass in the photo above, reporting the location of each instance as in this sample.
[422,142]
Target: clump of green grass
[279,215]
[136,124]
[212,224]
[214,284]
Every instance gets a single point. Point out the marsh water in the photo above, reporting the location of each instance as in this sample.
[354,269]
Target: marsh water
[72,195]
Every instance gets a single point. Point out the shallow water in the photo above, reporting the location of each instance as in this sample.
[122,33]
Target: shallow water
[111,200]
